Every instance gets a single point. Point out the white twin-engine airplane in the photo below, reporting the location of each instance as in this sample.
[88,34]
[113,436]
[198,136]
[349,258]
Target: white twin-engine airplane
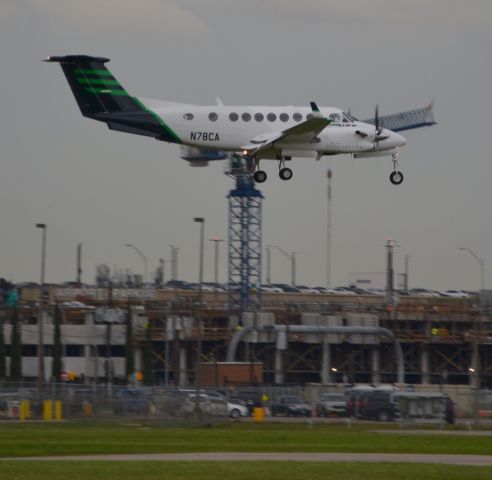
[277,133]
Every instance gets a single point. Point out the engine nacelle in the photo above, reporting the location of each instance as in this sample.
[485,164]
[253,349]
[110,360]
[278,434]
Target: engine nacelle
[376,153]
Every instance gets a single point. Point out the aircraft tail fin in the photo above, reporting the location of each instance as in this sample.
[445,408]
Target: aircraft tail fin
[94,87]
[101,97]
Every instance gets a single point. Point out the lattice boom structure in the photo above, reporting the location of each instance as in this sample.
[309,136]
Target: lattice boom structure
[245,247]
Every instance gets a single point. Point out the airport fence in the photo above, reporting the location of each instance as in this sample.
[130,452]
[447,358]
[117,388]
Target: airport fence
[76,401]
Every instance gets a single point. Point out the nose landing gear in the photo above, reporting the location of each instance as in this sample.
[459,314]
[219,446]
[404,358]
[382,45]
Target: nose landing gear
[396,177]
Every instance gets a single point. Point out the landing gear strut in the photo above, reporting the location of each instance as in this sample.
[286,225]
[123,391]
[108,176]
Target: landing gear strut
[396,177]
[283,172]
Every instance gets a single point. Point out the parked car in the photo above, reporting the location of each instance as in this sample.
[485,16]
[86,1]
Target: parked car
[331,404]
[270,289]
[291,406]
[236,409]
[250,398]
[131,400]
[355,398]
[208,404]
[379,405]
[285,287]
[455,294]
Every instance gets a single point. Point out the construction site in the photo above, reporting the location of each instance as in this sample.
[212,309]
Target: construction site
[248,336]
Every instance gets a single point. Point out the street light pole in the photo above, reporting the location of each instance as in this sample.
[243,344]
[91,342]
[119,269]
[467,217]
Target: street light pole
[481,263]
[174,262]
[476,350]
[79,264]
[407,257]
[329,175]
[40,379]
[201,221]
[289,256]
[216,241]
[143,257]
[268,253]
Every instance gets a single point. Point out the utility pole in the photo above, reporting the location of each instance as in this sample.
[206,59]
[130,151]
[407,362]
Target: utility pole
[40,379]
[79,264]
[174,262]
[201,221]
[390,245]
[406,287]
[329,175]
[216,241]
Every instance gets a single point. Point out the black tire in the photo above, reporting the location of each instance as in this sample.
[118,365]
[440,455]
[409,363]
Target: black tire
[285,173]
[396,177]
[235,413]
[260,176]
[384,416]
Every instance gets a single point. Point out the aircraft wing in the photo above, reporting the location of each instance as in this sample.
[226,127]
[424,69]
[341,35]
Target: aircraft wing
[397,122]
[303,132]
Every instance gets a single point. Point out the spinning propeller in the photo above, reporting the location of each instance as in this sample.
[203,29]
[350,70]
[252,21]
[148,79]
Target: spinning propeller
[378,129]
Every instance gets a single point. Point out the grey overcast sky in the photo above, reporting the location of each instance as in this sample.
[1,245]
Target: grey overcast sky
[106,189]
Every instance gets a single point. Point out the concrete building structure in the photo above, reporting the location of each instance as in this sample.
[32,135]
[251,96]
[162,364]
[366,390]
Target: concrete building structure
[444,340]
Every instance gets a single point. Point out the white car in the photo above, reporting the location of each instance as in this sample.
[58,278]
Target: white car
[236,410]
[455,294]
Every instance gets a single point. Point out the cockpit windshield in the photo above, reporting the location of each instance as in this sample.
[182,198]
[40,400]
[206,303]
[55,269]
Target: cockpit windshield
[348,118]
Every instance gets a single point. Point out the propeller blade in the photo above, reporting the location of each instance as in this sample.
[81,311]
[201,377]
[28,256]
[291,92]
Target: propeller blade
[376,119]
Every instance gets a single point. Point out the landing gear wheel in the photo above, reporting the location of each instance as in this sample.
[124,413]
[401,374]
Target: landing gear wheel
[396,177]
[285,173]
[260,176]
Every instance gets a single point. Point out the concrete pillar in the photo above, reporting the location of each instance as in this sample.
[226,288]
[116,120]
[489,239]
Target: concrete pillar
[182,381]
[279,371]
[375,366]
[424,364]
[325,362]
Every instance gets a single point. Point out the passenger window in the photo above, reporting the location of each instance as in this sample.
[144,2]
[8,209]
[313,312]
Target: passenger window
[297,117]
[233,117]
[284,117]
[213,117]
[259,117]
[188,116]
[246,117]
[271,117]
[309,116]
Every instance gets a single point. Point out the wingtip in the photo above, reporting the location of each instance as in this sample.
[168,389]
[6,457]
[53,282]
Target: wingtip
[314,107]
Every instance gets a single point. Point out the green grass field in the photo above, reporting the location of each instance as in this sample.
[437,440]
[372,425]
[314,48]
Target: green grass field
[235,470]
[40,439]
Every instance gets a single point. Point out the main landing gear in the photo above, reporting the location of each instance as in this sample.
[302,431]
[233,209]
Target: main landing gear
[284,173]
[260,176]
[396,177]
